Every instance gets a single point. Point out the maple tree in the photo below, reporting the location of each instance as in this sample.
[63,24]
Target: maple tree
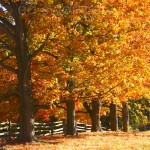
[139,110]
[16,39]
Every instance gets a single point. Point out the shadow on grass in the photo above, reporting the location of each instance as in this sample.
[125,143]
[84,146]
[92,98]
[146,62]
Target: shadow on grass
[53,139]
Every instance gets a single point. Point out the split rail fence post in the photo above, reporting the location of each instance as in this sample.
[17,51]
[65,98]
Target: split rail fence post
[52,128]
[9,129]
[85,127]
[64,126]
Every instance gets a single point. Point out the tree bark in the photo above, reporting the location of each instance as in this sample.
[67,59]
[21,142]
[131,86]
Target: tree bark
[24,82]
[88,108]
[125,116]
[113,117]
[71,124]
[26,116]
[96,126]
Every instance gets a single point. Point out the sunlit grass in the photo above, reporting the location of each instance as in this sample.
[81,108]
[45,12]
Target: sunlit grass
[90,141]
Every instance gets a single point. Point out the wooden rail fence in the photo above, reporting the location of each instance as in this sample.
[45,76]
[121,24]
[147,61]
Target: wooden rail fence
[9,129]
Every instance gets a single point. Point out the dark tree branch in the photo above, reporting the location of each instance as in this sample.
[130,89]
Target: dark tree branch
[9,94]
[6,46]
[34,54]
[112,88]
[50,54]
[4,4]
[80,111]
[8,67]
[14,6]
[7,23]
[59,106]
[6,58]
[47,106]
[11,35]
[12,3]
[87,107]
[42,106]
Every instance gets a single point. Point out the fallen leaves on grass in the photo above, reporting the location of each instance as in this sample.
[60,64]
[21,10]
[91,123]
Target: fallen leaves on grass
[89,141]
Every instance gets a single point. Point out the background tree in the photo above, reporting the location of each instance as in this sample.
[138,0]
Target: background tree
[139,113]
[125,116]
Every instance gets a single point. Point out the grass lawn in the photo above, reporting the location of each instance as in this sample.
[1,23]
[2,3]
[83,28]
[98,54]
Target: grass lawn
[88,141]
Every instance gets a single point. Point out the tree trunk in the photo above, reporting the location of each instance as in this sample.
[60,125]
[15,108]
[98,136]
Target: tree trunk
[26,116]
[113,117]
[71,124]
[24,81]
[96,126]
[125,116]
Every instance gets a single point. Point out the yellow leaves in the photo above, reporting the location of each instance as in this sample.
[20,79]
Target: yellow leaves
[116,100]
[39,58]
[104,111]
[76,19]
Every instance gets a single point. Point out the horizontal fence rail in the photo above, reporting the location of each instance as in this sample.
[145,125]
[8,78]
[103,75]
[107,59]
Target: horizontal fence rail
[10,130]
[4,129]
